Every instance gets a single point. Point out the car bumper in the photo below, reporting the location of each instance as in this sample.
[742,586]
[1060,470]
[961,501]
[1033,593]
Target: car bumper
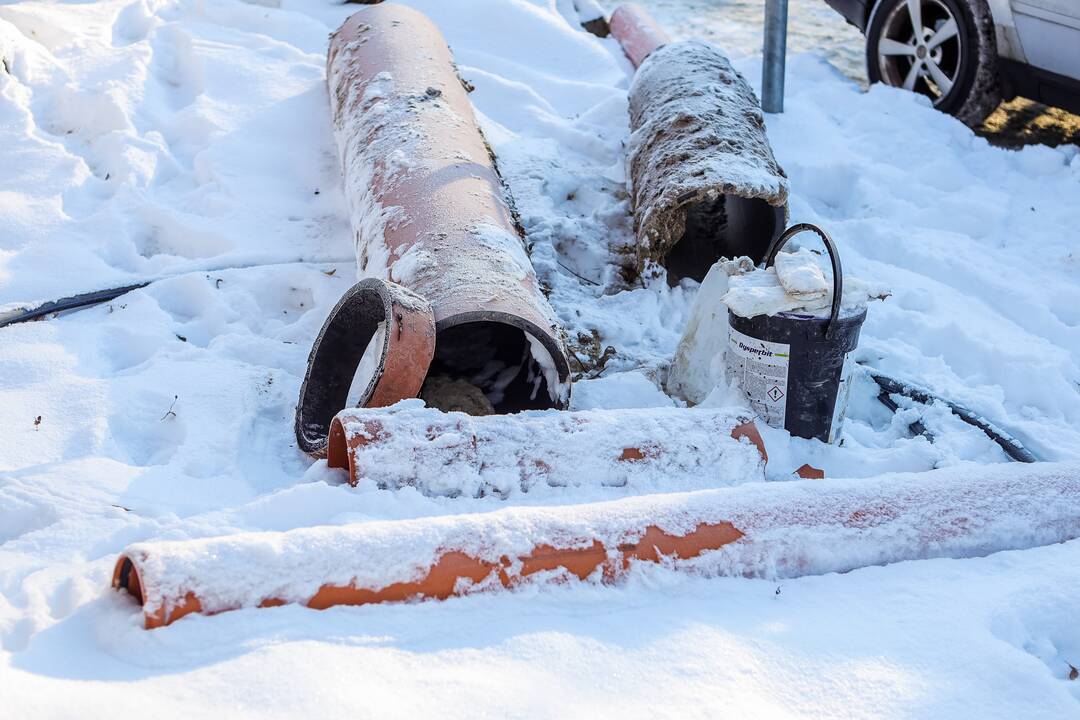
[854,11]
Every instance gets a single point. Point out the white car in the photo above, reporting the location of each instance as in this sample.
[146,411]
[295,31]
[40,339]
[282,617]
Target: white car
[968,55]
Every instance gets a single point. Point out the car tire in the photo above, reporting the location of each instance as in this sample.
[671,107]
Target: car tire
[952,60]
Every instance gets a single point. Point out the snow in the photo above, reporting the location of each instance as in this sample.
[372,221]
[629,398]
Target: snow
[374,355]
[361,150]
[764,292]
[141,138]
[619,390]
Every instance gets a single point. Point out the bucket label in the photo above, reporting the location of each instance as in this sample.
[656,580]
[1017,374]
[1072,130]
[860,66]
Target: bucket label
[840,406]
[760,368]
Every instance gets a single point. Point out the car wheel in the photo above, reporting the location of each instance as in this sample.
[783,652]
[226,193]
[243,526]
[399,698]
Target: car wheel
[943,49]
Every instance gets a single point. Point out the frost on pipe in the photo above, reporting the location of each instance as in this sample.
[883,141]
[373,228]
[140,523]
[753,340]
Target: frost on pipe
[772,530]
[428,212]
[453,454]
[703,180]
[372,351]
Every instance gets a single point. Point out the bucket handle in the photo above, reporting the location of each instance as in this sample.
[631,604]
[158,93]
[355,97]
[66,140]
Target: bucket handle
[834,258]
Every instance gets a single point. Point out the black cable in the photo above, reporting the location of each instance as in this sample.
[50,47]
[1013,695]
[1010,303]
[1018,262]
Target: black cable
[916,427]
[891,386]
[74,302]
[96,297]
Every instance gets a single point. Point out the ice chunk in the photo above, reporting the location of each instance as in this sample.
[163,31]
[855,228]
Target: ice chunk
[801,275]
[699,359]
[762,293]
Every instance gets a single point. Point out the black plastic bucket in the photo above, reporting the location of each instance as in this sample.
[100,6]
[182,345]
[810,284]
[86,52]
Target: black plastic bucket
[794,368]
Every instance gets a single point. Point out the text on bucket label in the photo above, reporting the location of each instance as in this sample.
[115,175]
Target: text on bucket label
[761,370]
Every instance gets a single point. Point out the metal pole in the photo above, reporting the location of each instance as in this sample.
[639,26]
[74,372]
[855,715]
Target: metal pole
[772,70]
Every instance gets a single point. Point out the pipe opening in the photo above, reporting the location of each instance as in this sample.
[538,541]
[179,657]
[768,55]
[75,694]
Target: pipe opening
[722,226]
[345,364]
[489,367]
[128,579]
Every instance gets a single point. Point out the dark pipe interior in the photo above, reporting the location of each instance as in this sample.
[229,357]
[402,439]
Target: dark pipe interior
[330,372]
[129,579]
[726,226]
[483,366]
[495,357]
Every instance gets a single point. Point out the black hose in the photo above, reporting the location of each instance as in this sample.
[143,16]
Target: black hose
[891,386]
[74,302]
[96,297]
[916,427]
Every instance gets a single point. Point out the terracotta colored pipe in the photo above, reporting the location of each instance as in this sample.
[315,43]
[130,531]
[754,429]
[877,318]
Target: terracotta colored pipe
[429,210]
[773,530]
[453,454]
[371,311]
[637,32]
[454,570]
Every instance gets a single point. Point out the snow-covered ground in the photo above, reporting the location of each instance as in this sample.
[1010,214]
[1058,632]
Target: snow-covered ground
[188,138]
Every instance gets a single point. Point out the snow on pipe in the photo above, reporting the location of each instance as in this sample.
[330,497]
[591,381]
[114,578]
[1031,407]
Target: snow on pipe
[428,212]
[703,179]
[453,454]
[771,530]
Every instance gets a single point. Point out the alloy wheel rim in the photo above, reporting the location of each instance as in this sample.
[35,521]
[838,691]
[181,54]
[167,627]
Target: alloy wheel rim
[920,48]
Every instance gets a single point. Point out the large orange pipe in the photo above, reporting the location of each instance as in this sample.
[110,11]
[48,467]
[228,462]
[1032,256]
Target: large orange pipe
[401,326]
[451,573]
[770,530]
[429,210]
[448,288]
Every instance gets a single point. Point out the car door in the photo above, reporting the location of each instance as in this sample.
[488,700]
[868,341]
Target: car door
[1049,32]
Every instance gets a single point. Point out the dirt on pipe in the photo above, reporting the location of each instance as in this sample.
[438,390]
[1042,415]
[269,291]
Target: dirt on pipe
[704,183]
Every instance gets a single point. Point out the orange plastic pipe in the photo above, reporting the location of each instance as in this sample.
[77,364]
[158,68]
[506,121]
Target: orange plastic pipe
[782,529]
[544,447]
[455,570]
[369,309]
[637,32]
[429,210]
